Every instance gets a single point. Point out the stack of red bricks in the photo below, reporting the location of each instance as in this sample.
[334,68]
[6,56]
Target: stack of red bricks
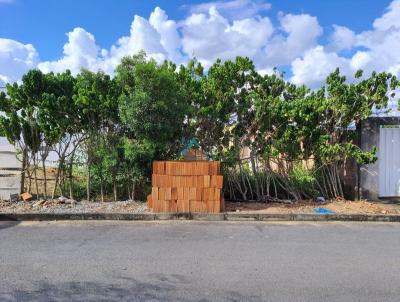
[186,186]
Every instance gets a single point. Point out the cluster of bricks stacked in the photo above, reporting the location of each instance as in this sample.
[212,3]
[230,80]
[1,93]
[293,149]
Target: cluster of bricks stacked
[186,186]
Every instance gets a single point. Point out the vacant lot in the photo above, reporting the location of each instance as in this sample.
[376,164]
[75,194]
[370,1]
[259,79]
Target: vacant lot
[337,206]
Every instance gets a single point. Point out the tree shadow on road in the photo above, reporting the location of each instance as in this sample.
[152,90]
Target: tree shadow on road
[134,290]
[8,224]
[89,291]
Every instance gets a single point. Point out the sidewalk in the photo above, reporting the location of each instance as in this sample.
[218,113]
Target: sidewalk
[340,210]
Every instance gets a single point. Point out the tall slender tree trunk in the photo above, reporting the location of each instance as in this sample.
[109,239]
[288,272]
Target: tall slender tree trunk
[45,177]
[35,174]
[56,182]
[133,190]
[255,174]
[71,191]
[60,165]
[88,183]
[61,162]
[88,174]
[30,180]
[115,190]
[243,181]
[70,175]
[23,171]
[101,191]
[62,182]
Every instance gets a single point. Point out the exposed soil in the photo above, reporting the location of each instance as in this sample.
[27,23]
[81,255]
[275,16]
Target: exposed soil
[56,206]
[338,206]
[307,206]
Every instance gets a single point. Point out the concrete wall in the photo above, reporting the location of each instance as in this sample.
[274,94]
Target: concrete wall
[10,171]
[369,138]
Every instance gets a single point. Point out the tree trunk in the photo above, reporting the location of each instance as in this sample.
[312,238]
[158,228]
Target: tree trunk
[243,181]
[24,166]
[70,172]
[88,175]
[56,181]
[60,167]
[255,174]
[133,190]
[101,191]
[35,174]
[30,181]
[45,177]
[88,183]
[115,190]
[71,193]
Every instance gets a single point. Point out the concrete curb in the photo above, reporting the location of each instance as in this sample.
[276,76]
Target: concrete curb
[196,217]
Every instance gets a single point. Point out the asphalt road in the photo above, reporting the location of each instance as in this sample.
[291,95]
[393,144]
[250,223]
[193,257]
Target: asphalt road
[194,261]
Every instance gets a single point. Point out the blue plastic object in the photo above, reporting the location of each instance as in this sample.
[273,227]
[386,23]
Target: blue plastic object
[187,144]
[323,211]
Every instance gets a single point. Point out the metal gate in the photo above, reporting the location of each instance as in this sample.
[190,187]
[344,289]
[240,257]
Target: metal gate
[389,161]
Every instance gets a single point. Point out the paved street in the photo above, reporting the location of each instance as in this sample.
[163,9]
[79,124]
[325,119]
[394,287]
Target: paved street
[194,261]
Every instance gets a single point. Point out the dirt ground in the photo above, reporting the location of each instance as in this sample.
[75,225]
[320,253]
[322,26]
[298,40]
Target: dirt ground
[56,206]
[339,206]
[68,206]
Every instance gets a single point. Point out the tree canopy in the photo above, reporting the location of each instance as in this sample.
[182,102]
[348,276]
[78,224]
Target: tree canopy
[275,139]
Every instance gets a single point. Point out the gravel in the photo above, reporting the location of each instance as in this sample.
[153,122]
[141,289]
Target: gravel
[57,206]
[65,205]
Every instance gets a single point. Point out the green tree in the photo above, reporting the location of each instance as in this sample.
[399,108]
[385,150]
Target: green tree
[153,109]
[37,113]
[96,98]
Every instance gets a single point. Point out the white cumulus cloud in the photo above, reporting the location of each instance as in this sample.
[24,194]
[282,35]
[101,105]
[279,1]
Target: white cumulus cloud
[222,38]
[299,33]
[158,37]
[169,36]
[374,49]
[342,38]
[233,9]
[80,51]
[15,60]
[226,29]
[143,36]
[315,66]
[390,18]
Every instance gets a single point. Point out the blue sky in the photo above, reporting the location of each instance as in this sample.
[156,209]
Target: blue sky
[306,38]
[44,23]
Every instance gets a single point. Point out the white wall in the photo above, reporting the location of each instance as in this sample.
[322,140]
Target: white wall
[10,170]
